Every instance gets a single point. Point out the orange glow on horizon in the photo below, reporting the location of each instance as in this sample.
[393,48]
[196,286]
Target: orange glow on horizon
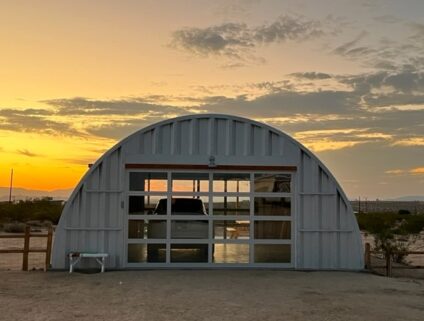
[46,162]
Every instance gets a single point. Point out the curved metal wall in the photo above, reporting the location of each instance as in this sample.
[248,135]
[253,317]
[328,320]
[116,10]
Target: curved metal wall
[327,235]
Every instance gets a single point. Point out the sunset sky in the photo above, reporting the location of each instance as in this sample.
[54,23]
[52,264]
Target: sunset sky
[345,78]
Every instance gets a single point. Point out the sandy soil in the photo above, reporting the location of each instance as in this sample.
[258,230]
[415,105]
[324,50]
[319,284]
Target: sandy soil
[208,295]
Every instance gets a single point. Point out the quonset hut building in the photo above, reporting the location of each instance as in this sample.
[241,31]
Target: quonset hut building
[210,191]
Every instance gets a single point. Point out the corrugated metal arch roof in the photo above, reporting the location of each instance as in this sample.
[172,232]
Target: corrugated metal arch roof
[311,161]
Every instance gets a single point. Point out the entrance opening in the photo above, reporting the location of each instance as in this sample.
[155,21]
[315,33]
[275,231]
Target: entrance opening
[211,218]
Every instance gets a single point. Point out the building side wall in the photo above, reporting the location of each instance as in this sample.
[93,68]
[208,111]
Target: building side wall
[92,220]
[328,234]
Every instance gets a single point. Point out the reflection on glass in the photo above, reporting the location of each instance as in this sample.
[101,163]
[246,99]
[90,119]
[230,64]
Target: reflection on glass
[231,205]
[231,253]
[273,230]
[147,229]
[148,182]
[272,253]
[268,183]
[272,206]
[136,229]
[185,229]
[143,253]
[189,253]
[232,183]
[143,205]
[183,206]
[190,182]
[231,229]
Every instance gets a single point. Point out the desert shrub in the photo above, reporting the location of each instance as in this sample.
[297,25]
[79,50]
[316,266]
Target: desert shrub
[413,224]
[393,232]
[376,222]
[14,227]
[44,209]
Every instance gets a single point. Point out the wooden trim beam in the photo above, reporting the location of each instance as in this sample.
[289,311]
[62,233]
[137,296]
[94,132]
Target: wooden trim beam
[217,167]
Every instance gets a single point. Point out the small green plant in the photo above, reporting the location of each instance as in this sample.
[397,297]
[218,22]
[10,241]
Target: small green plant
[392,245]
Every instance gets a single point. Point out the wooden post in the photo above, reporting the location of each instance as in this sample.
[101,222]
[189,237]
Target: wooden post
[26,248]
[367,258]
[388,264]
[49,247]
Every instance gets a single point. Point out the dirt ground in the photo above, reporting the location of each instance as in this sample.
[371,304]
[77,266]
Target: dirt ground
[208,295]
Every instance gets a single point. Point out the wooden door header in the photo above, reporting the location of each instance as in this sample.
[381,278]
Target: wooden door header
[216,167]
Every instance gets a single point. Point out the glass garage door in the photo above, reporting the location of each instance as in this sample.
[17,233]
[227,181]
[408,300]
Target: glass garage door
[193,218]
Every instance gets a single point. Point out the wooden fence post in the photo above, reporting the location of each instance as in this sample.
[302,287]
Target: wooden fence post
[49,248]
[367,254]
[26,248]
[388,264]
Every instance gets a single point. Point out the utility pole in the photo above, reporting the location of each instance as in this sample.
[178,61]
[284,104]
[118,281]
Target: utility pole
[11,185]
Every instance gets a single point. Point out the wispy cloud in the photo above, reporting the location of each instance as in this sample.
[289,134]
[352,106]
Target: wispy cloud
[26,152]
[34,120]
[334,139]
[385,107]
[312,75]
[418,29]
[86,106]
[410,171]
[351,48]
[410,141]
[386,52]
[395,171]
[417,171]
[238,40]
[235,7]
[389,19]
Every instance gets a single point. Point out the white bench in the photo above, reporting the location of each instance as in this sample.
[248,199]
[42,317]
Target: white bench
[75,257]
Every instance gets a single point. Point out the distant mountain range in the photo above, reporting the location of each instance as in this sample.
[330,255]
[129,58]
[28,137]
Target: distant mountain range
[63,194]
[22,194]
[407,198]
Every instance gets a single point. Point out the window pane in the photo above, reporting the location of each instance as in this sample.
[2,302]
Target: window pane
[142,253]
[189,253]
[273,230]
[136,229]
[267,183]
[272,253]
[233,183]
[231,229]
[190,182]
[179,205]
[231,253]
[148,182]
[272,206]
[147,229]
[184,229]
[231,205]
[143,205]
[190,205]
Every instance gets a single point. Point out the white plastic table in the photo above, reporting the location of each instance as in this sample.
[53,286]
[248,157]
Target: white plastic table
[75,257]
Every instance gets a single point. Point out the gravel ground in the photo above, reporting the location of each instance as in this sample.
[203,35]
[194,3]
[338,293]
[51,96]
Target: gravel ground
[208,295]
